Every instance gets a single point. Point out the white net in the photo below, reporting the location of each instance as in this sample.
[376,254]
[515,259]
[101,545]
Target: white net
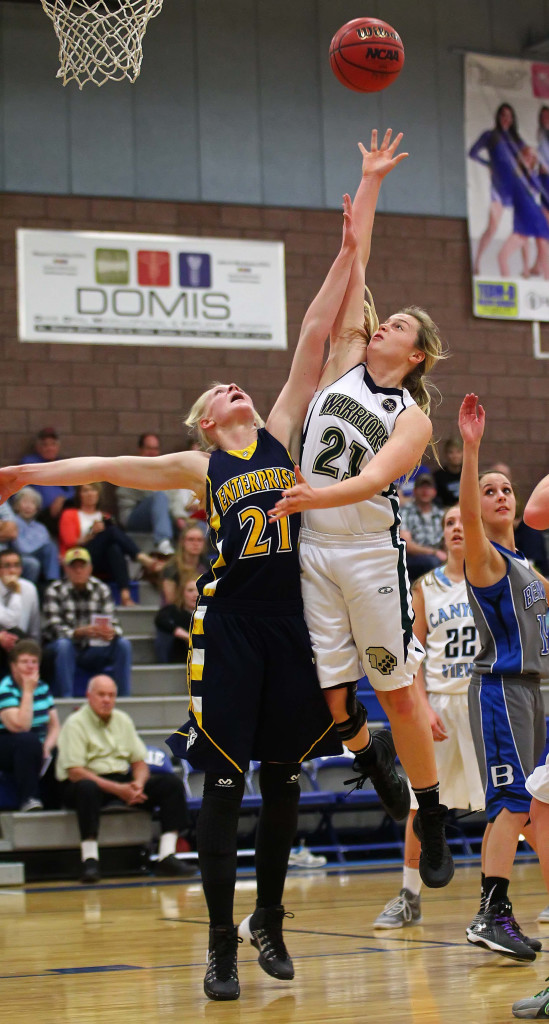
[100,40]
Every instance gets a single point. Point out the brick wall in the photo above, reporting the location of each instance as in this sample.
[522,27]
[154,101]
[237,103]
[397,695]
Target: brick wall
[101,398]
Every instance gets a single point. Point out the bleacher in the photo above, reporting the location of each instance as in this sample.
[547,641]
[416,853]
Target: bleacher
[335,822]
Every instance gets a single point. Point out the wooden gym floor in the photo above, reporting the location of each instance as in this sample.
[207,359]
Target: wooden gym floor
[134,951]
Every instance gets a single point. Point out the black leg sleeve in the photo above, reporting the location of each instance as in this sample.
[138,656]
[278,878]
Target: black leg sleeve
[276,829]
[216,842]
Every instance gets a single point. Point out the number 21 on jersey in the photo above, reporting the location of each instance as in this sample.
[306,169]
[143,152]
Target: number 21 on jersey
[254,521]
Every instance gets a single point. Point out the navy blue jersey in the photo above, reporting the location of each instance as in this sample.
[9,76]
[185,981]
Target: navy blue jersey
[511,619]
[257,566]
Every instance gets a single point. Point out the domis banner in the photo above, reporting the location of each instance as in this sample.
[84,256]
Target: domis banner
[507,146]
[131,289]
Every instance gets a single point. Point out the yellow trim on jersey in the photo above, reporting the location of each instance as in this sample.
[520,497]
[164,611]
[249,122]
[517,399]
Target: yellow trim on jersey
[245,453]
[215,522]
[321,737]
[197,627]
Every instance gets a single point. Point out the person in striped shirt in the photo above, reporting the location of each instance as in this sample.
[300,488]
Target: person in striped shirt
[29,724]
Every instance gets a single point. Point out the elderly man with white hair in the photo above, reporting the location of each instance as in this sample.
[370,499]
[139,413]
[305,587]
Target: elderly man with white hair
[101,758]
[34,543]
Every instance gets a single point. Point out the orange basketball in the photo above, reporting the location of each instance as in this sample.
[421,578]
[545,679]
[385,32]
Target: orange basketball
[366,55]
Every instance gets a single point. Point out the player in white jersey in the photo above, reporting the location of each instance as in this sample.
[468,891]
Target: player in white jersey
[367,425]
[444,624]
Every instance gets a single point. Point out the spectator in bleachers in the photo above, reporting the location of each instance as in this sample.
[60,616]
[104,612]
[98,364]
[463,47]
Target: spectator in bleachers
[102,758]
[147,511]
[29,724]
[448,476]
[54,497]
[19,607]
[82,628]
[189,560]
[173,623]
[422,528]
[33,541]
[90,527]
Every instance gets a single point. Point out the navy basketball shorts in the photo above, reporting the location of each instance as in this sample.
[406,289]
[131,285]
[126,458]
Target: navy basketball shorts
[254,693]
[508,726]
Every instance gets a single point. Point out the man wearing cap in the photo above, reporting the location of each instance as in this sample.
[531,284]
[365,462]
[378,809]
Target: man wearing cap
[54,497]
[82,629]
[422,528]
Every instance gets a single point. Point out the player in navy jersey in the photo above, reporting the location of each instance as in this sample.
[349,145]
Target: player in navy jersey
[509,605]
[253,687]
[367,426]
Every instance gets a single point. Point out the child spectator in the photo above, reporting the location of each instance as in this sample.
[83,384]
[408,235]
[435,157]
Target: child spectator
[29,724]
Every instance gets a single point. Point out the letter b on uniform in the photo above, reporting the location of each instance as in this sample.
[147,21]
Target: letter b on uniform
[502,775]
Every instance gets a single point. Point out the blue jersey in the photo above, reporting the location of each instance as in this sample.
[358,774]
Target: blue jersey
[511,619]
[257,564]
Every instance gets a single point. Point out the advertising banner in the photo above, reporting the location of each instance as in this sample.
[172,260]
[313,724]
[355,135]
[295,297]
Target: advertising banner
[133,289]
[507,150]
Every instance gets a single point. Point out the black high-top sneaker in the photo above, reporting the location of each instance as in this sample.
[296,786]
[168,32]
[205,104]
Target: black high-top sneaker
[221,981]
[263,929]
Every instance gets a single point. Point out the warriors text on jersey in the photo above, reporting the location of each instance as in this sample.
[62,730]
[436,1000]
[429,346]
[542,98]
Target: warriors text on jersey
[347,423]
[257,564]
[511,620]
[451,634]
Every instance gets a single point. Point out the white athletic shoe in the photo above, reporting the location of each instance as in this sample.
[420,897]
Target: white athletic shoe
[543,915]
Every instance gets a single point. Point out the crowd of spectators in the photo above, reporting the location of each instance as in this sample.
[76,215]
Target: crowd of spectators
[66,562]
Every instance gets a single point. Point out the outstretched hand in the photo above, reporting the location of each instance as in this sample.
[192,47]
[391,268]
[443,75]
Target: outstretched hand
[296,499]
[471,420]
[381,161]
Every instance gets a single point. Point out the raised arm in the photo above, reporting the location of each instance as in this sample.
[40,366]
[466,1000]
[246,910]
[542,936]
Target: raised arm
[286,418]
[184,469]
[484,565]
[377,163]
[398,456]
[536,513]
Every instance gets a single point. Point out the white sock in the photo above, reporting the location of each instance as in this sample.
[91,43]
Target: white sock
[411,880]
[167,845]
[90,850]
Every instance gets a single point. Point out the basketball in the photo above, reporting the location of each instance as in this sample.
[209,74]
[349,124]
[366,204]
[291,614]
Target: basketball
[366,55]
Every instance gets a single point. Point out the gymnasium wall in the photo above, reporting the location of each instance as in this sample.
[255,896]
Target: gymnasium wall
[101,398]
[236,103]
[236,127]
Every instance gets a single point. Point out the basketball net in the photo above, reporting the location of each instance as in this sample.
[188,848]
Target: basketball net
[100,40]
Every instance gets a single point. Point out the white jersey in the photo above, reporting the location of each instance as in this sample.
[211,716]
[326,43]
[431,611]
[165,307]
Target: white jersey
[452,640]
[347,423]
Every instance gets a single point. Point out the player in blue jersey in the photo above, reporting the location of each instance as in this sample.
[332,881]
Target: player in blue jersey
[509,605]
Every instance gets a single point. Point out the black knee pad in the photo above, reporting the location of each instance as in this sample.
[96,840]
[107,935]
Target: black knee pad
[357,713]
[218,817]
[279,781]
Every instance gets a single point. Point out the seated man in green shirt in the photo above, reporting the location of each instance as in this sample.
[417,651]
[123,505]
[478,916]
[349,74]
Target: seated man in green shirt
[29,725]
[101,758]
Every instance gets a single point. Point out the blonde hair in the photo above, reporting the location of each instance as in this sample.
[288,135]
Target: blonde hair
[198,411]
[428,341]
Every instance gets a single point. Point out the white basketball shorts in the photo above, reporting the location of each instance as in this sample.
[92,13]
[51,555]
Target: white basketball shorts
[358,609]
[537,783]
[457,765]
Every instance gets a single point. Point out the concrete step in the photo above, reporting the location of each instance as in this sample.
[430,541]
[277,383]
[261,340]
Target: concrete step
[161,713]
[50,830]
[159,680]
[138,621]
[153,679]
[158,737]
[142,648]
